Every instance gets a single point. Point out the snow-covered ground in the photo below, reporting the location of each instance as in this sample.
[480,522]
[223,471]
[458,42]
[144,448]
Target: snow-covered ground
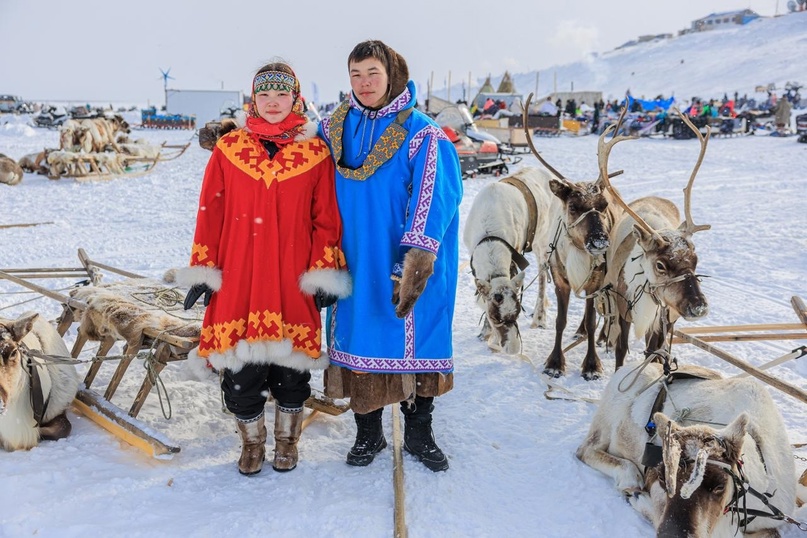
[513,470]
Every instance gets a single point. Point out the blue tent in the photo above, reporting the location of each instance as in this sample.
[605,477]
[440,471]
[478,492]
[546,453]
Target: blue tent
[649,106]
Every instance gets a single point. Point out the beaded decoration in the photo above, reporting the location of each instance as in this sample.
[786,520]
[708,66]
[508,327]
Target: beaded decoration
[275,80]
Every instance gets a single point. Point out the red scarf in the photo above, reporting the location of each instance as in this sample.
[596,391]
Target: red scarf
[280,133]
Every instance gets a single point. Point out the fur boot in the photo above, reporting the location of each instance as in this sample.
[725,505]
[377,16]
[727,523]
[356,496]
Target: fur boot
[288,426]
[419,437]
[253,444]
[369,439]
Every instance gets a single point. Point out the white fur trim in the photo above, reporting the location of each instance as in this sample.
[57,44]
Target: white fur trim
[333,281]
[198,274]
[265,352]
[195,367]
[309,131]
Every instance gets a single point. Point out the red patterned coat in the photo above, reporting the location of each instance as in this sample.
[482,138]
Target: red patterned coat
[267,237]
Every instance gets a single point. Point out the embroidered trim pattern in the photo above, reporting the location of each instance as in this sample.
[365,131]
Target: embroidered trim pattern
[409,336]
[385,365]
[384,149]
[416,237]
[274,80]
[397,104]
[261,326]
[251,158]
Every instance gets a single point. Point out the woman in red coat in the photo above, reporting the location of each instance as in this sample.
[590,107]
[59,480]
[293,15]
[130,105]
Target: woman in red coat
[266,256]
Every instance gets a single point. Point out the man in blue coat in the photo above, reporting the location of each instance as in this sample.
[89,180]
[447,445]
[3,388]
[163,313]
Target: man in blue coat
[398,186]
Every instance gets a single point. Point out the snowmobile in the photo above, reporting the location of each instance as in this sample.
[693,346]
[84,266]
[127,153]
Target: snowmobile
[51,117]
[479,152]
[801,128]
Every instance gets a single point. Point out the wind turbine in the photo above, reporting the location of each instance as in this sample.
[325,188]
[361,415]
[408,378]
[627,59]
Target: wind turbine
[165,77]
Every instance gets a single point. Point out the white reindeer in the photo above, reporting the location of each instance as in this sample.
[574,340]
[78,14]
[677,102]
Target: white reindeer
[723,447]
[502,226]
[57,383]
[651,268]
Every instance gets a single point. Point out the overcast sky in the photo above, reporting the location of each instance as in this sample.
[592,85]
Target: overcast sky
[96,50]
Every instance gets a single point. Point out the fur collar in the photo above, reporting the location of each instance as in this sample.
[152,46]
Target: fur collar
[309,131]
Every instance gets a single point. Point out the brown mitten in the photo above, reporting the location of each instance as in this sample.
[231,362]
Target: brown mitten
[418,266]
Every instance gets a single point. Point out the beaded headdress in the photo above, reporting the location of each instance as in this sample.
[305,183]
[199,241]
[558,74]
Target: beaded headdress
[275,80]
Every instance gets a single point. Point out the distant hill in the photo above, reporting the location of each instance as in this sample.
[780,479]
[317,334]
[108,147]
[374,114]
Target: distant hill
[705,64]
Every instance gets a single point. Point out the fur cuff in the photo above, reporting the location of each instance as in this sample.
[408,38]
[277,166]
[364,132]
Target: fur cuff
[198,274]
[265,352]
[332,281]
[197,368]
[309,131]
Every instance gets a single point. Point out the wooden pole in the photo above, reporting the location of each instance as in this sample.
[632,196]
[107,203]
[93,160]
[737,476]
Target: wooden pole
[397,475]
[788,389]
[800,308]
[448,90]
[469,86]
[742,328]
[795,354]
[537,74]
[26,225]
[429,91]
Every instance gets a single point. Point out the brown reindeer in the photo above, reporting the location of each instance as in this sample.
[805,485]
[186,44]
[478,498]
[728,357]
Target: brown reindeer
[581,218]
[651,266]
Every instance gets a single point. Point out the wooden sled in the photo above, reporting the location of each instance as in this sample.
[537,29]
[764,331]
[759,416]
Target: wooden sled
[91,167]
[160,346]
[701,336]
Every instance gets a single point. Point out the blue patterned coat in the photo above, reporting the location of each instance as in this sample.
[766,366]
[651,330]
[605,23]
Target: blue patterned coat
[395,195]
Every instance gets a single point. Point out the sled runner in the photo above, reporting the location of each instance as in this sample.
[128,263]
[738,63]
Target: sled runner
[148,318]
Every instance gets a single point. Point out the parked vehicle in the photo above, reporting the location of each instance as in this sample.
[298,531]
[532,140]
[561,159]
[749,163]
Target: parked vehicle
[801,128]
[51,117]
[11,104]
[151,119]
[479,152]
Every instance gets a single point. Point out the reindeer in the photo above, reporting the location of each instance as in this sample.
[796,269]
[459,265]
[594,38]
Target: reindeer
[10,172]
[34,163]
[26,380]
[580,221]
[505,219]
[651,267]
[723,448]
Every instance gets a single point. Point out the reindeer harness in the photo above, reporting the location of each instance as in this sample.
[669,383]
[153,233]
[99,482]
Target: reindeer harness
[532,207]
[517,257]
[38,380]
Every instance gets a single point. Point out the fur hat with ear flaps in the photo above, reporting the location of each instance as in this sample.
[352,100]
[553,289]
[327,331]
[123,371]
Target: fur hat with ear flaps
[394,63]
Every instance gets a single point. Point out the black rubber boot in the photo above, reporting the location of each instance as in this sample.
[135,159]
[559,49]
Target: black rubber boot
[418,436]
[369,439]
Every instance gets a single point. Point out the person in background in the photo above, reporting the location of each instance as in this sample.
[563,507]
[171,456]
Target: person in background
[548,108]
[782,112]
[399,187]
[266,257]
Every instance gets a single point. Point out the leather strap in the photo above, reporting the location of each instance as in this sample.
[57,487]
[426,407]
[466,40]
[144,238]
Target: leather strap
[532,207]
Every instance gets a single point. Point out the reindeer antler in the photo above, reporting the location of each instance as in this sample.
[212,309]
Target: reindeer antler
[603,150]
[688,226]
[525,116]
